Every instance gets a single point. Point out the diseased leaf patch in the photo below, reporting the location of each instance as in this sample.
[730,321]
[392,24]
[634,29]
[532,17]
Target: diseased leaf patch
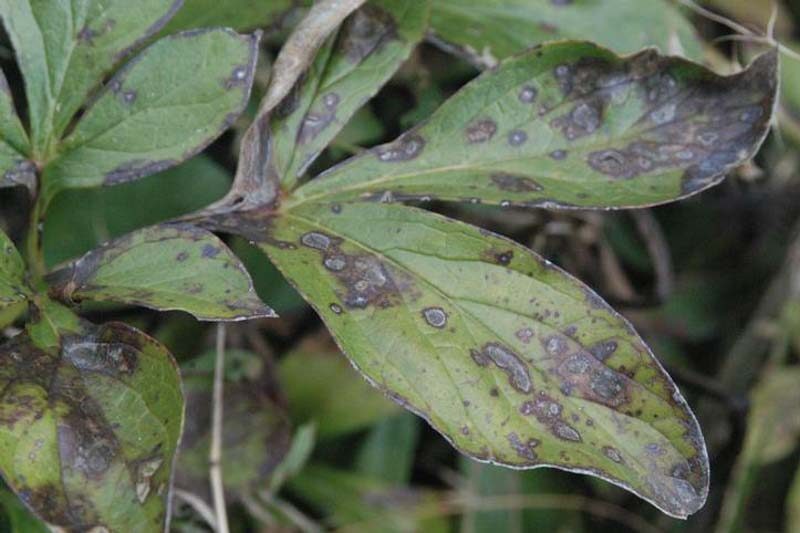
[166,105]
[511,359]
[65,48]
[13,287]
[571,125]
[89,427]
[166,267]
[370,45]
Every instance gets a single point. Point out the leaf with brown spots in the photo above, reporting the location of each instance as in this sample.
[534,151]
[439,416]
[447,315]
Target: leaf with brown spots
[486,31]
[166,267]
[514,361]
[354,64]
[66,47]
[571,125]
[256,185]
[15,168]
[164,106]
[14,290]
[90,418]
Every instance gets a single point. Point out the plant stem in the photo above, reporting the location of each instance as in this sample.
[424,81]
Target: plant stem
[33,244]
[215,450]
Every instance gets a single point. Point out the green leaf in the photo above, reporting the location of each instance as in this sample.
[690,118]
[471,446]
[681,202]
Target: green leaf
[165,106]
[773,432]
[66,47]
[89,424]
[15,168]
[16,518]
[241,15]
[365,503]
[256,431]
[13,288]
[388,450]
[320,386]
[509,357]
[571,125]
[485,31]
[370,46]
[166,267]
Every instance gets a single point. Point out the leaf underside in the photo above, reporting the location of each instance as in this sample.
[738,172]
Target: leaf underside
[509,357]
[89,427]
[166,267]
[571,125]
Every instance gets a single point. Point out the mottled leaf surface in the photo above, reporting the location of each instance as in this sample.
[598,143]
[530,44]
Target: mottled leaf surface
[509,357]
[166,105]
[167,267]
[15,169]
[241,15]
[571,125]
[486,31]
[90,417]
[13,287]
[66,47]
[370,46]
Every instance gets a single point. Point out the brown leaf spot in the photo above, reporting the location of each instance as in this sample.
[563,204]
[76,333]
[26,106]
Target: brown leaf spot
[481,131]
[525,450]
[406,148]
[365,32]
[435,317]
[510,363]
[136,169]
[512,183]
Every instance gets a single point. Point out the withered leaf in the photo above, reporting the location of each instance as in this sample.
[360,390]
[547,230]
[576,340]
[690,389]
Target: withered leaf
[571,125]
[257,181]
[90,418]
[514,361]
[165,267]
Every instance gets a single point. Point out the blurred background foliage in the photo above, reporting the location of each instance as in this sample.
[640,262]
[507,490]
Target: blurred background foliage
[713,283]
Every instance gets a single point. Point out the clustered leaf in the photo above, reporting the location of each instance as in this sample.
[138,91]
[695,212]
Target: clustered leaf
[513,360]
[510,358]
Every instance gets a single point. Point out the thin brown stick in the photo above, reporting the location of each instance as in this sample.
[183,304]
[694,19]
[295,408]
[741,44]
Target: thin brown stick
[658,249]
[215,449]
[199,506]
